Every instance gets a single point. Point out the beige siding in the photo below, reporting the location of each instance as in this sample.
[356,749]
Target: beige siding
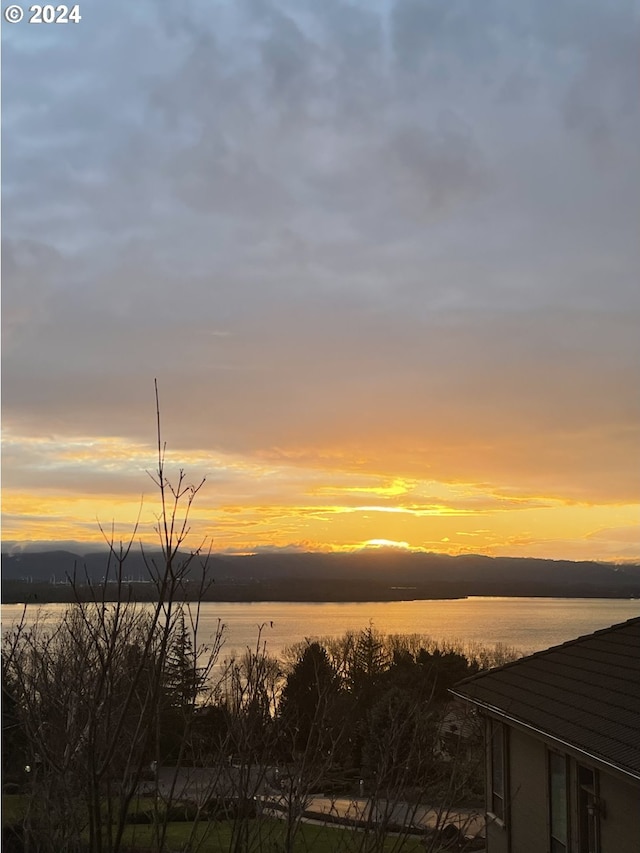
[497,839]
[527,830]
[620,827]
[527,804]
[528,789]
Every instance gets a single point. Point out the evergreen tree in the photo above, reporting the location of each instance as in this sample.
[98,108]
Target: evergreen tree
[309,697]
[370,660]
[182,680]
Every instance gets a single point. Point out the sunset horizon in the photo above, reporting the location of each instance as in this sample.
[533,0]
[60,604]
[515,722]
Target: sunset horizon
[382,259]
[253,504]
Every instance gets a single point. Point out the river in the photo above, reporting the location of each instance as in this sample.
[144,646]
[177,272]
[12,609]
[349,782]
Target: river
[528,624]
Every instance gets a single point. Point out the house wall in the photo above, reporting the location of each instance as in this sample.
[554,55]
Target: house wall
[526,829]
[497,838]
[528,793]
[620,826]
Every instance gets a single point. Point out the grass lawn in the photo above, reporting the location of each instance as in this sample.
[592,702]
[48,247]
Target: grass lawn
[14,807]
[265,835]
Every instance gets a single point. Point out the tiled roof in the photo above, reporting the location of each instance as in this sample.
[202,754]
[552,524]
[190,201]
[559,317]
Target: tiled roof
[585,693]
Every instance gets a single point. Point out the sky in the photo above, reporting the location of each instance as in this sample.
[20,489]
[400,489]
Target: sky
[382,258]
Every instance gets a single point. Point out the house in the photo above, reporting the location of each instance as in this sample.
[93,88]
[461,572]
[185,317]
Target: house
[458,732]
[563,746]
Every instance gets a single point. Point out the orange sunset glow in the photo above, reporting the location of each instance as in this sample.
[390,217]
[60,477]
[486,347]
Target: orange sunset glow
[384,269]
[248,505]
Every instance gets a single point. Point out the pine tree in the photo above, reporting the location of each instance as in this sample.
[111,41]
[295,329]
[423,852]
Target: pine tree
[308,696]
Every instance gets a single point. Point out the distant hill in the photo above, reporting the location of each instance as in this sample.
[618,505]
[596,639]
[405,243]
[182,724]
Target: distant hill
[360,576]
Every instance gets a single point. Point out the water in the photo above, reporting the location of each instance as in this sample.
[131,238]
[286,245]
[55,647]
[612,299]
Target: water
[529,624]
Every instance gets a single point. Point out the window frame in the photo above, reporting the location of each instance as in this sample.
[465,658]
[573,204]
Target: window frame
[590,809]
[558,844]
[497,777]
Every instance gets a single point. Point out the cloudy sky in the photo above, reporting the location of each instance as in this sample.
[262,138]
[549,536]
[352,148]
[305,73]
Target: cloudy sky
[381,255]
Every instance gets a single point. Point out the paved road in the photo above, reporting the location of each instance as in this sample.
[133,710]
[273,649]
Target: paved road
[199,783]
[469,821]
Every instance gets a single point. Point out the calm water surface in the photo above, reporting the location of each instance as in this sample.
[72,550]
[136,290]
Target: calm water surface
[529,624]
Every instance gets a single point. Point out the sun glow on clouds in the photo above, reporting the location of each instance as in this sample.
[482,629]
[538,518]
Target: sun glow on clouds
[68,488]
[391,490]
[386,543]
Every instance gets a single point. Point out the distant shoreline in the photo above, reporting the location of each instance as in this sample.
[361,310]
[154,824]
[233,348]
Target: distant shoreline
[22,592]
[19,592]
[316,577]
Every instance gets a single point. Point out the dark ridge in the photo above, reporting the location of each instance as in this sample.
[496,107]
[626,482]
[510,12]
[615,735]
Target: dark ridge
[385,575]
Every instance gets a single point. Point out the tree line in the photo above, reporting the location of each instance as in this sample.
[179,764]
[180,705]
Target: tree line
[116,702]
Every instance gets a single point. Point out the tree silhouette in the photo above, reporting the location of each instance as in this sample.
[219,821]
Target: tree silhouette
[309,696]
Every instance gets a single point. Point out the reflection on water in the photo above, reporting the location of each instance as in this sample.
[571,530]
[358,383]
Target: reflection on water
[528,624]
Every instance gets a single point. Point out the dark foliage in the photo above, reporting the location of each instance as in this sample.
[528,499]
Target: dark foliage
[309,699]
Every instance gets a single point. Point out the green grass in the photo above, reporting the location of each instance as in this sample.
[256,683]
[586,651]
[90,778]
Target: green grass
[265,835]
[14,807]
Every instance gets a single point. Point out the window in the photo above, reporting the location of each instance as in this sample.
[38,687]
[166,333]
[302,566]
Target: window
[497,762]
[558,816]
[589,809]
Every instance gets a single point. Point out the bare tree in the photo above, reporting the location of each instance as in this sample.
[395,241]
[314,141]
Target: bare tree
[90,693]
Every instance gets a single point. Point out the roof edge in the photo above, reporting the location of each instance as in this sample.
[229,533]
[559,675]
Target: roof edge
[542,652]
[499,712]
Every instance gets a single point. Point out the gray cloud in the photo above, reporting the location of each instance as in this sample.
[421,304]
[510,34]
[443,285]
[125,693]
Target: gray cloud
[406,220]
